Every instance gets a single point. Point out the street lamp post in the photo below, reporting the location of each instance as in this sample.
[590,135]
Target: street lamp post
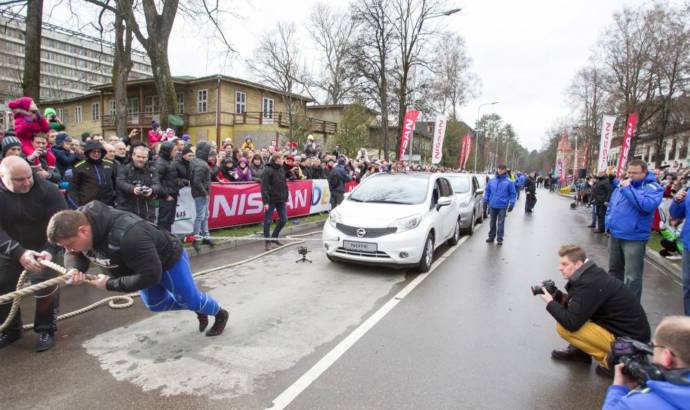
[476,134]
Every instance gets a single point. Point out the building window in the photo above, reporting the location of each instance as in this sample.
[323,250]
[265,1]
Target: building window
[201,100]
[180,103]
[95,112]
[113,110]
[267,110]
[151,104]
[132,105]
[240,102]
[77,114]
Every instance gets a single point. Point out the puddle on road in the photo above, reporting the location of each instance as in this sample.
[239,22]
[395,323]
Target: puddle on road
[278,315]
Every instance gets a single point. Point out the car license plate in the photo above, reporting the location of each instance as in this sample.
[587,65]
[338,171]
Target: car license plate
[360,246]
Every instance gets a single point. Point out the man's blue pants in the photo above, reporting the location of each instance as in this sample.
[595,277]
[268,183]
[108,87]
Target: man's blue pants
[177,291]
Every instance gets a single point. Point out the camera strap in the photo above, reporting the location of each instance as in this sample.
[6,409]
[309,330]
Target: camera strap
[679,377]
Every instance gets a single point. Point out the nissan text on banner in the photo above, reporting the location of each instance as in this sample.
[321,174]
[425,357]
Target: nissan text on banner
[439,133]
[468,150]
[627,138]
[607,124]
[463,148]
[407,130]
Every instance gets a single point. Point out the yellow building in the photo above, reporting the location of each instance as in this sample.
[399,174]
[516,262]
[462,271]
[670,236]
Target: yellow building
[213,108]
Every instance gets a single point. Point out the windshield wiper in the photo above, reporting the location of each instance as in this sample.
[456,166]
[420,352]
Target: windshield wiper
[389,202]
[355,199]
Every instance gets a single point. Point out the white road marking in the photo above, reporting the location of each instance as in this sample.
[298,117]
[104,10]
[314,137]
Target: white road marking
[287,396]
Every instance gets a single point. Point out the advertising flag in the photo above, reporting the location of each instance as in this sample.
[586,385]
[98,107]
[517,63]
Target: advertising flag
[627,139]
[407,130]
[439,134]
[607,124]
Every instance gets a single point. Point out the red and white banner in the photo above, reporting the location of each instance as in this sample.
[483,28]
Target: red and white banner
[461,154]
[407,130]
[468,150]
[241,204]
[560,171]
[627,138]
[607,124]
[439,134]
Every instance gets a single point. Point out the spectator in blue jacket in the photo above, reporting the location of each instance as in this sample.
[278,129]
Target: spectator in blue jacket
[629,219]
[672,352]
[65,157]
[680,208]
[500,196]
[519,183]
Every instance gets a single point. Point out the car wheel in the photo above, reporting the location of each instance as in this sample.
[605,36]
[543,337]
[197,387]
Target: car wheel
[427,255]
[456,235]
[470,229]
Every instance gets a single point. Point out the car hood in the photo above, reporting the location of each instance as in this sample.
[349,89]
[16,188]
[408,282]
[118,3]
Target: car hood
[373,215]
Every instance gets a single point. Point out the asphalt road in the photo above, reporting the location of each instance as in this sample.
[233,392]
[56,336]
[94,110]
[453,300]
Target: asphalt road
[469,336]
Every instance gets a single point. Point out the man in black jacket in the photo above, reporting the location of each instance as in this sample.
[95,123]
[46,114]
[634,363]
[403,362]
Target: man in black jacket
[600,197]
[138,185]
[201,191]
[169,185]
[93,178]
[26,206]
[597,309]
[274,193]
[137,255]
[530,192]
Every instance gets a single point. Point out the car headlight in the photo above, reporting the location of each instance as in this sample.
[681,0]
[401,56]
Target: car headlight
[334,218]
[405,224]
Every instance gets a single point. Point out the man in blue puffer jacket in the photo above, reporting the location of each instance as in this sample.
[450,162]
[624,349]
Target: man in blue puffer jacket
[629,219]
[671,352]
[680,209]
[500,195]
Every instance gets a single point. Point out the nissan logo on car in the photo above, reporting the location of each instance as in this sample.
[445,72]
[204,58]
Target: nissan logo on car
[361,232]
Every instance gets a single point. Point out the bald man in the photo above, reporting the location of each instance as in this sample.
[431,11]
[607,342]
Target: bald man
[26,206]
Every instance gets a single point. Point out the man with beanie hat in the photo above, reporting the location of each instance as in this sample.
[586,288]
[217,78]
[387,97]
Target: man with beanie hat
[336,182]
[274,193]
[11,146]
[93,178]
[201,186]
[65,158]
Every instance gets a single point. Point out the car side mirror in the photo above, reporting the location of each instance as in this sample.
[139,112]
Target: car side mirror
[443,201]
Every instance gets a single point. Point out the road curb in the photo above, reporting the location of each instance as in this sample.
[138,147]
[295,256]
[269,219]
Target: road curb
[661,263]
[233,244]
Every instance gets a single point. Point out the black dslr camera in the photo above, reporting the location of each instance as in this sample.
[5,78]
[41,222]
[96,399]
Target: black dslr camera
[548,285]
[634,356]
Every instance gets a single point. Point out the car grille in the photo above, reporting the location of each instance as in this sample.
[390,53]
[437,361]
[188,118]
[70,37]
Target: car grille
[378,254]
[370,232]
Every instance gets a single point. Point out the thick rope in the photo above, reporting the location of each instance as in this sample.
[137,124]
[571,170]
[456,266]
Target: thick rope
[114,302]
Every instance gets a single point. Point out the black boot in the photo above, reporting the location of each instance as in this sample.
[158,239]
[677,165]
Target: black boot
[7,338]
[46,341]
[219,324]
[207,241]
[203,321]
[267,245]
[275,241]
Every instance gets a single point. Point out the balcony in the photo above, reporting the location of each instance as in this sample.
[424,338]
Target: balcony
[276,119]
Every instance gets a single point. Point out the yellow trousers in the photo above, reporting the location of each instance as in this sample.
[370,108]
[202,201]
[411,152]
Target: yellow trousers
[591,339]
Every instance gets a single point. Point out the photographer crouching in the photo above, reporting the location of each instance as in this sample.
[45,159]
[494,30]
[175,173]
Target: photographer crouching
[597,309]
[662,384]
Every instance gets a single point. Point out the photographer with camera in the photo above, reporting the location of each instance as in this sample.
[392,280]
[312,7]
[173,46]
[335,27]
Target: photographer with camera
[138,184]
[661,384]
[597,309]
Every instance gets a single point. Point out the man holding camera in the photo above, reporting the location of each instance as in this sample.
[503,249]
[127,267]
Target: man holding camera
[500,196]
[679,211]
[629,219]
[671,356]
[138,184]
[597,309]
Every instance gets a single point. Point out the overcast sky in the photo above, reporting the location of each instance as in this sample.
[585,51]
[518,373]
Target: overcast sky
[524,52]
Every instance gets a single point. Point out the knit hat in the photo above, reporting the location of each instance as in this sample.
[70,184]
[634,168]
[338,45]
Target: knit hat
[185,137]
[187,149]
[9,142]
[243,159]
[154,125]
[85,135]
[61,138]
[49,111]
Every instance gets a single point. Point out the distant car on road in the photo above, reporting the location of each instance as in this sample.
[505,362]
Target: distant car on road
[469,195]
[394,220]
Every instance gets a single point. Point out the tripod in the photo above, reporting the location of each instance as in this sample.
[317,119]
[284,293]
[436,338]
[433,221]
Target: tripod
[302,250]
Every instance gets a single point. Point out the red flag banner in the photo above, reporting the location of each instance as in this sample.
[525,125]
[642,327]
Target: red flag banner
[627,138]
[407,130]
[463,148]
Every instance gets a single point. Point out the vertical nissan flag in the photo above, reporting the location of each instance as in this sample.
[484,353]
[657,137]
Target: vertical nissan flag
[607,124]
[627,138]
[407,130]
[466,150]
[461,155]
[439,133]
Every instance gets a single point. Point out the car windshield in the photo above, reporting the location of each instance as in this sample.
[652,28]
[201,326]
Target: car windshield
[394,189]
[461,185]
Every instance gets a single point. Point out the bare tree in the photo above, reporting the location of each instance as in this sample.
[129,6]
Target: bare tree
[453,84]
[31,80]
[332,32]
[277,62]
[122,65]
[372,57]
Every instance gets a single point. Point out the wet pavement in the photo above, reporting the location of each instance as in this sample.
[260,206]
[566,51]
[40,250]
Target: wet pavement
[471,335]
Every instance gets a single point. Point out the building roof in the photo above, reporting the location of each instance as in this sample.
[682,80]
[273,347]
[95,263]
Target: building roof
[45,103]
[191,80]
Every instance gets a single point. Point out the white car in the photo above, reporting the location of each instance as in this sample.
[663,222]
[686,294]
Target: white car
[394,220]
